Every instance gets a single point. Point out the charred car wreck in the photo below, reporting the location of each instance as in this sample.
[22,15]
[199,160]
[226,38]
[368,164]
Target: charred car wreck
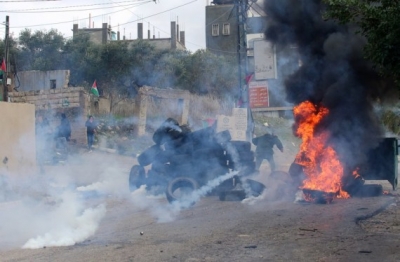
[182,161]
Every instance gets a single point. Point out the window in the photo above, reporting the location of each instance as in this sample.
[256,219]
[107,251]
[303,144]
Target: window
[52,84]
[226,29]
[215,30]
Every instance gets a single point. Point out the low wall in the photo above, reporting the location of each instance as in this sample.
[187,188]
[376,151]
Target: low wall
[73,101]
[51,99]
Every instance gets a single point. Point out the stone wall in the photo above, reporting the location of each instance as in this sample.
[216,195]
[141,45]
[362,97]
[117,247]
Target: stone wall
[73,101]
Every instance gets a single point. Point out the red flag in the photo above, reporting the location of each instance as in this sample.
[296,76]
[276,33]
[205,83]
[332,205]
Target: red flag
[3,65]
[94,84]
[249,78]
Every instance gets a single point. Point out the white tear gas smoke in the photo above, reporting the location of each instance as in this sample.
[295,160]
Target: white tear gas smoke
[74,228]
[48,210]
[45,215]
[167,212]
[202,191]
[161,211]
[114,185]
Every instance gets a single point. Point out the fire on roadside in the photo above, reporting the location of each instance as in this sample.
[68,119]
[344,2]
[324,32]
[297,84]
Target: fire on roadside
[321,164]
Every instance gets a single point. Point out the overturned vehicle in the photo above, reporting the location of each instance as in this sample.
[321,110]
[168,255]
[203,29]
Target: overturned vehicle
[182,161]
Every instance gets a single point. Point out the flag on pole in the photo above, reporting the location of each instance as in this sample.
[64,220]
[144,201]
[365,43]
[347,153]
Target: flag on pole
[94,90]
[3,67]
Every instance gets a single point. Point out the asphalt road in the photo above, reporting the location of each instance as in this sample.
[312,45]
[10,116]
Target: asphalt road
[269,229]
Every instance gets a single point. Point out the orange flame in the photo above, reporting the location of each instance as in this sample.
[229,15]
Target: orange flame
[320,162]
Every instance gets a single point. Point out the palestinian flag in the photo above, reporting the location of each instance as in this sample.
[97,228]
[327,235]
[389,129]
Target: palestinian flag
[2,68]
[94,90]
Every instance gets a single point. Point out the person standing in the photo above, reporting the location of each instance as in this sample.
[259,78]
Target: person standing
[264,148]
[64,129]
[90,131]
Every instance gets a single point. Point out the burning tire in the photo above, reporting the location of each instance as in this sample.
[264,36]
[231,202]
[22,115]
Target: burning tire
[137,177]
[180,188]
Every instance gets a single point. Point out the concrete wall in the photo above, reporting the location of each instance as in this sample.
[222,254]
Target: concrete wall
[17,138]
[40,80]
[160,43]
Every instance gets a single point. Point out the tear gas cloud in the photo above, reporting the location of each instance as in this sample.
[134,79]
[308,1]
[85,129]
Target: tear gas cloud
[66,204]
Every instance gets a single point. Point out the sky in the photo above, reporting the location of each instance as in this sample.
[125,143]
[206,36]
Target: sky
[122,15]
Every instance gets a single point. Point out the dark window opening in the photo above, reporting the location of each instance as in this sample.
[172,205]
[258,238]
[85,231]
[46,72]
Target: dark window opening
[53,84]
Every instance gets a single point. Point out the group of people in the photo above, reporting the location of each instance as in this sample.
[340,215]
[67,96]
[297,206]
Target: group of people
[61,135]
[264,143]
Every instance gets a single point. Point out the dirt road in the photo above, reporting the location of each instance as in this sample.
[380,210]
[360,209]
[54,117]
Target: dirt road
[212,230]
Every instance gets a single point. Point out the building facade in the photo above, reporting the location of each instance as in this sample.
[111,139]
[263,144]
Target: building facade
[175,42]
[265,69]
[42,80]
[221,29]
[96,35]
[105,34]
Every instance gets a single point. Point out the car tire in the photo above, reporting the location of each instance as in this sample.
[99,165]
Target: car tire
[137,177]
[255,188]
[180,183]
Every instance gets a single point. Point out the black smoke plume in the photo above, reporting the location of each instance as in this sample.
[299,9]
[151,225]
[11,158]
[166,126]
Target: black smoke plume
[333,73]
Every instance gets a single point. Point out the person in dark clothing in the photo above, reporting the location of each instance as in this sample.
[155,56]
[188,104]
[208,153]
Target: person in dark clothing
[264,148]
[42,129]
[90,131]
[64,129]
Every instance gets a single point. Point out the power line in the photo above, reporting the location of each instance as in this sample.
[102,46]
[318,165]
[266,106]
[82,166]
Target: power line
[43,10]
[57,11]
[14,1]
[142,18]
[82,18]
[159,13]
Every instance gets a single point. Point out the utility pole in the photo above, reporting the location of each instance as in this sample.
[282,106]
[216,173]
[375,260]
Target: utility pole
[242,6]
[6,51]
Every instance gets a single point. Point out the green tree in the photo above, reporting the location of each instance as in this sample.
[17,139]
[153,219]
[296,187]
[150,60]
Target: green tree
[120,68]
[41,50]
[79,54]
[170,69]
[379,22]
[207,73]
